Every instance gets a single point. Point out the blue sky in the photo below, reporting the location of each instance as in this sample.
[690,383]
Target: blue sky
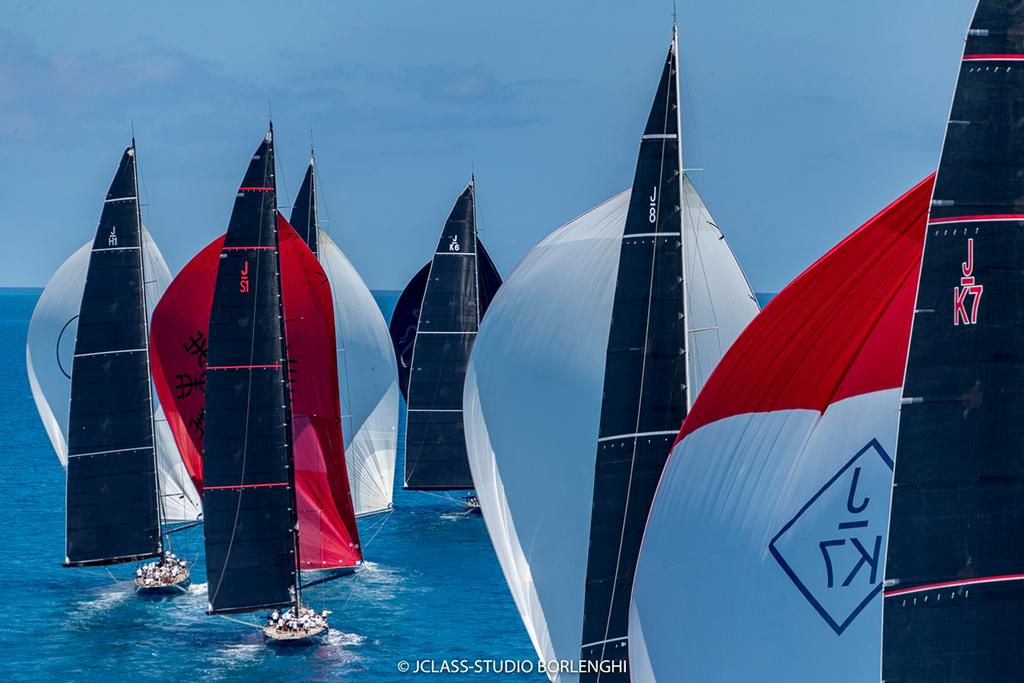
[808,116]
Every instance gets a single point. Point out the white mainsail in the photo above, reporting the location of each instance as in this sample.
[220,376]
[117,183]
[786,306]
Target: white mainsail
[368,382]
[48,353]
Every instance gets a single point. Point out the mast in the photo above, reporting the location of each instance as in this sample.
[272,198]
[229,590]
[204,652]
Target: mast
[645,393]
[286,362]
[682,209]
[149,385]
[954,573]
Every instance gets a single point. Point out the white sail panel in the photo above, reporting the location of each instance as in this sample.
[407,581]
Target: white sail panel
[181,501]
[719,303]
[51,346]
[368,380]
[532,406]
[712,601]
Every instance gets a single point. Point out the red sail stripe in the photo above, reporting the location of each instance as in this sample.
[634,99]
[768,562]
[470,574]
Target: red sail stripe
[246,248]
[984,217]
[245,486]
[841,329]
[993,57]
[244,367]
[255,189]
[954,584]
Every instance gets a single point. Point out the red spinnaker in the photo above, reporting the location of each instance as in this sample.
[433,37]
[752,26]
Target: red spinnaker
[327,523]
[328,536]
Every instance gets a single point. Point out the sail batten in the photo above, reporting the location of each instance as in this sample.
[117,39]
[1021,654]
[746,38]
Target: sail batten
[113,507]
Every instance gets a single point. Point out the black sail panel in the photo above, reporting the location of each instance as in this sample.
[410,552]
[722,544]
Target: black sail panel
[304,216]
[112,511]
[247,475]
[404,320]
[954,595]
[489,278]
[645,380]
[449,317]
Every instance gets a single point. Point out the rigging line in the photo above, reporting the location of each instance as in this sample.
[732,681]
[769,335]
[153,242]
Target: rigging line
[378,530]
[239,621]
[111,574]
[643,370]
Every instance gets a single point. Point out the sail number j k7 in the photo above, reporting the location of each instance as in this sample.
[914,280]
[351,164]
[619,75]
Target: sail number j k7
[968,288]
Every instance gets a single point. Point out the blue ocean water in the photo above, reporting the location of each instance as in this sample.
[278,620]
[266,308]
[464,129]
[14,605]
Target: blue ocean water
[432,587]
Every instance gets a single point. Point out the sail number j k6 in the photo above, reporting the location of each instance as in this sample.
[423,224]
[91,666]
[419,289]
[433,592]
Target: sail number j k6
[968,287]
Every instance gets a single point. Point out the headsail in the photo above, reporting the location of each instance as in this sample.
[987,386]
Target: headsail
[578,386]
[762,556]
[366,367]
[532,407]
[369,383]
[327,526]
[446,325]
[248,482]
[955,569]
[113,510]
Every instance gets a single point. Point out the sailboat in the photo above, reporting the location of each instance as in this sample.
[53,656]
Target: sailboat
[578,384]
[88,366]
[851,475]
[245,360]
[954,571]
[433,329]
[368,377]
[762,557]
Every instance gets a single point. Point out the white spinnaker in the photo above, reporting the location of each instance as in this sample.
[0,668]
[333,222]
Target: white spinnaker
[49,350]
[51,347]
[532,407]
[720,303]
[368,380]
[710,600]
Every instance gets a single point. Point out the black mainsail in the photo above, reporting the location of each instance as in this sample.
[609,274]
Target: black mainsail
[645,393]
[248,473]
[955,566]
[113,512]
[304,218]
[443,305]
